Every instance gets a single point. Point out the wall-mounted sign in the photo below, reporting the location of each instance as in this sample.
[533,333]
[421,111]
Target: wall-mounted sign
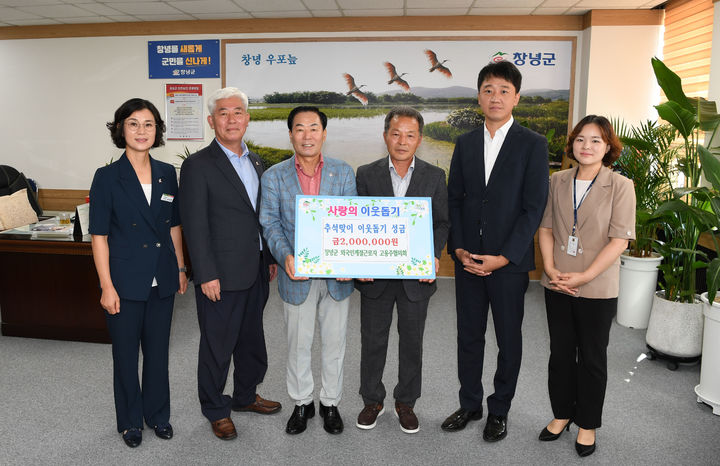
[190,59]
[183,111]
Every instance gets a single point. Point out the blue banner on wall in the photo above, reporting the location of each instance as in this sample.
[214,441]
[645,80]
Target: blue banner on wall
[190,59]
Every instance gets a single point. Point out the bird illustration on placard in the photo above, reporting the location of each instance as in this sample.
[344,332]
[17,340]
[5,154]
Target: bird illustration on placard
[436,64]
[354,89]
[395,77]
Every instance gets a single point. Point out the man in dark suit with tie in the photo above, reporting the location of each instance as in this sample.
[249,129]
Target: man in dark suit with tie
[219,203]
[401,174]
[497,190]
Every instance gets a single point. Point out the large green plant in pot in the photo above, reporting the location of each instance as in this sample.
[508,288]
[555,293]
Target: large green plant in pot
[647,159]
[693,209]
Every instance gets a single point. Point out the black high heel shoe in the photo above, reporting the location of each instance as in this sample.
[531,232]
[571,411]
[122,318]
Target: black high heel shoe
[584,450]
[547,436]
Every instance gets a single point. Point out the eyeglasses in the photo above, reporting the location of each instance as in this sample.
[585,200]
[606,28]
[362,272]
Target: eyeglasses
[134,125]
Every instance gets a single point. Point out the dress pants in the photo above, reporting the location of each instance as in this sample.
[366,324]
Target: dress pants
[577,371]
[231,327]
[300,326]
[146,324]
[375,320]
[504,293]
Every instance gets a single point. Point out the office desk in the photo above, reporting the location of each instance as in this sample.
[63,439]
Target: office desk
[49,289]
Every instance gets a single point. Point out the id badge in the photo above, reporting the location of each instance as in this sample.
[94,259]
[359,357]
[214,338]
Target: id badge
[572,245]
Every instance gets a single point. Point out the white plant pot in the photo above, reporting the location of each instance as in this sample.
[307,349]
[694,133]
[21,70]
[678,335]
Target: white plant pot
[638,279]
[675,329]
[709,389]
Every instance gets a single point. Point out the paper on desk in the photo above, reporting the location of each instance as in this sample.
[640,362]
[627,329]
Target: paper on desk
[82,215]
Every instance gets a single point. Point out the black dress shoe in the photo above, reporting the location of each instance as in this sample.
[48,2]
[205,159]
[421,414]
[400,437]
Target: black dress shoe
[547,436]
[495,428]
[132,437]
[298,421]
[584,450]
[459,419]
[333,423]
[164,431]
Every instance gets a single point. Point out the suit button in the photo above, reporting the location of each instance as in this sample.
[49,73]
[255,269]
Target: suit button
[157,245]
[167,221]
[144,245]
[134,224]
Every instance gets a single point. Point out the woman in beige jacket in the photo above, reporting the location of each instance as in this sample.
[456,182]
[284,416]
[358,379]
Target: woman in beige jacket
[588,220]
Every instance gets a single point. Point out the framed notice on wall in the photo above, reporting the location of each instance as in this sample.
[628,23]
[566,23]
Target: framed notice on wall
[364,237]
[184,111]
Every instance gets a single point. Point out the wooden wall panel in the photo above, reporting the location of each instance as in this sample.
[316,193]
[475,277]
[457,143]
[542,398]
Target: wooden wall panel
[61,199]
[276,25]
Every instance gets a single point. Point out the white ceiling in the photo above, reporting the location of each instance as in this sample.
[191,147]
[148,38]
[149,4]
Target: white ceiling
[37,12]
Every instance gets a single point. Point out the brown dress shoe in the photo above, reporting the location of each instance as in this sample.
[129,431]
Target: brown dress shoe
[368,416]
[224,428]
[408,421]
[260,406]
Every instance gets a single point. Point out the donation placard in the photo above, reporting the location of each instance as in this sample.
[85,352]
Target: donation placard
[364,237]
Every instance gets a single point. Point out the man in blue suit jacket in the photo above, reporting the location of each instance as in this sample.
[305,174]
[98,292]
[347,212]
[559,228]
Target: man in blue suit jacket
[309,173]
[497,190]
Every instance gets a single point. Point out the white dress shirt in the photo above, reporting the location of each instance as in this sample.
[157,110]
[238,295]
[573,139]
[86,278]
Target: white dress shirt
[400,183]
[493,144]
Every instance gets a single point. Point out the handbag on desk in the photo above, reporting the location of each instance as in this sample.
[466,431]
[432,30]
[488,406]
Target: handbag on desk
[12,181]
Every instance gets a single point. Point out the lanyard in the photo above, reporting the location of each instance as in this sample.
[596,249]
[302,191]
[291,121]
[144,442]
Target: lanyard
[577,205]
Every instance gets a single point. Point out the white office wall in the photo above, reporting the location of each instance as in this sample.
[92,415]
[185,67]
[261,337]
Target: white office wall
[57,94]
[620,80]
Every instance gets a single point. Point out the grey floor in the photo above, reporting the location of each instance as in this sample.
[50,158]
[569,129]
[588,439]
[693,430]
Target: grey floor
[56,405]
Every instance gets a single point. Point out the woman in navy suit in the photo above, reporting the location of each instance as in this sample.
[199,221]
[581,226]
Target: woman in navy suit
[137,247]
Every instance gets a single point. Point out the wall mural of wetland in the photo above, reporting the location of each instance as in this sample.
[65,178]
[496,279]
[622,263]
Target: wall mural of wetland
[355,82]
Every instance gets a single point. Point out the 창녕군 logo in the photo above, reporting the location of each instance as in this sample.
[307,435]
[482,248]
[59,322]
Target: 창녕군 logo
[498,56]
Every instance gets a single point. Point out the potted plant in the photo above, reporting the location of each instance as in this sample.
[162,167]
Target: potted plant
[708,390]
[676,322]
[646,159]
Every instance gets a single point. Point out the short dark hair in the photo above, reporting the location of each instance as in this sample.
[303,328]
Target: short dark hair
[306,108]
[131,106]
[607,133]
[502,69]
[404,111]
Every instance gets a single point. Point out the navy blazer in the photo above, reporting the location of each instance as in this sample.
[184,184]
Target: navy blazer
[221,227]
[138,234]
[502,217]
[427,180]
